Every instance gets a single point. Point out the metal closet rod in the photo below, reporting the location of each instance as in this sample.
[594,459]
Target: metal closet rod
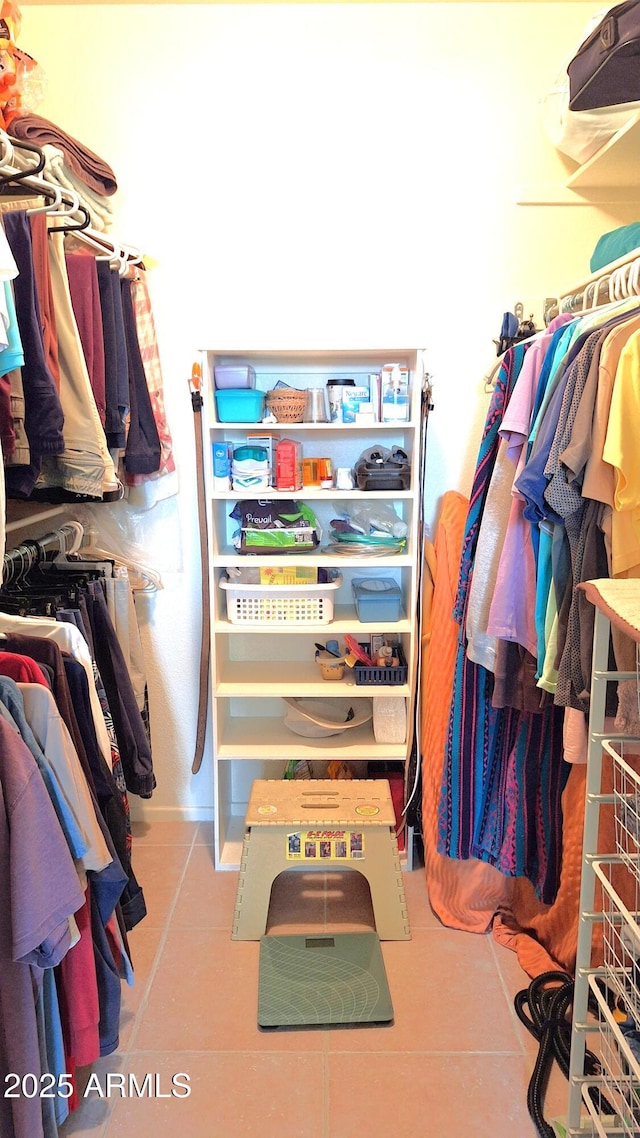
[31,551]
[596,290]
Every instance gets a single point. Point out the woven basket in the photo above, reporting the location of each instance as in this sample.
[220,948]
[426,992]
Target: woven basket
[286,404]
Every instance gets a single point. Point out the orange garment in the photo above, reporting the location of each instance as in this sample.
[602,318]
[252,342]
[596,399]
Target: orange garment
[463,894]
[472,895]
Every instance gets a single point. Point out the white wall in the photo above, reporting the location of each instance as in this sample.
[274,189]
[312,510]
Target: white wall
[307,176]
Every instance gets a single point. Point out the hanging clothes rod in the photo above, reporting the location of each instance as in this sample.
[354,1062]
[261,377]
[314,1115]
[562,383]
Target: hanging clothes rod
[18,561]
[615,281]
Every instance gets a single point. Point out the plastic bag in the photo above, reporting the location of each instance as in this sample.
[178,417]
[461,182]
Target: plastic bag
[376,517]
[580,134]
[281,527]
[22,80]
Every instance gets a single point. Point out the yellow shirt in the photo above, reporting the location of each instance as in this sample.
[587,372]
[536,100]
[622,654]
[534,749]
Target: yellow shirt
[622,451]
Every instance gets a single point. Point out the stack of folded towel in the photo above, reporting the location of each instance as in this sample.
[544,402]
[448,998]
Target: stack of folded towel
[70,164]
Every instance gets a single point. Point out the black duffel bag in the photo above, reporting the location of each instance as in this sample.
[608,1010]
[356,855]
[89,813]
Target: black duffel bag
[605,71]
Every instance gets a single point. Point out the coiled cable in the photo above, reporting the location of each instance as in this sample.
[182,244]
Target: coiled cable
[545,1010]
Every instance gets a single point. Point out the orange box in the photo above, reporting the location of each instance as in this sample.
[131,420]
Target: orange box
[289,465]
[311,471]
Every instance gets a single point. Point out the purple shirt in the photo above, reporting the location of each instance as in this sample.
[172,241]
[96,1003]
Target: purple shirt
[39,890]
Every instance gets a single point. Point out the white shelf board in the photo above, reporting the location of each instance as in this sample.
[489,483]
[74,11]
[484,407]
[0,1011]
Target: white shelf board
[617,163]
[231,556]
[310,493]
[320,428]
[279,360]
[261,738]
[575,196]
[610,177]
[297,678]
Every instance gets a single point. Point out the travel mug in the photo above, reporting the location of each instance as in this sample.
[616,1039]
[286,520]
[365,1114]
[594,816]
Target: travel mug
[315,410]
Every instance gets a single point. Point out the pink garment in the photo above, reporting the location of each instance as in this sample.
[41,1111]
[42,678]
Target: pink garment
[77,987]
[146,332]
[512,611]
[575,736]
[85,299]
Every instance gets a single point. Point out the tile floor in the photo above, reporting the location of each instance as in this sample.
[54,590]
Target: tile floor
[455,1062]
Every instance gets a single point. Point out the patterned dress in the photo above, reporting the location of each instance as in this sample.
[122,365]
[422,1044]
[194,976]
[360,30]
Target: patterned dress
[503,770]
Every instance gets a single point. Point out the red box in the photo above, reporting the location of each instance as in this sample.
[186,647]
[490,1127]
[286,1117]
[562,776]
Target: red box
[288,465]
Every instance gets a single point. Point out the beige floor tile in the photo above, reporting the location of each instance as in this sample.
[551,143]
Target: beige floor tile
[163,833]
[421,915]
[431,1095]
[207,896]
[205,834]
[446,995]
[232,1096]
[204,997]
[515,979]
[456,1061]
[143,943]
[159,870]
[94,1108]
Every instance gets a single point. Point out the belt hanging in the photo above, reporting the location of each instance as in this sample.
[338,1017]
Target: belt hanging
[203,689]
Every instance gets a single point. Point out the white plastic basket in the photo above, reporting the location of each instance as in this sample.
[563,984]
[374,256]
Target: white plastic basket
[280,604]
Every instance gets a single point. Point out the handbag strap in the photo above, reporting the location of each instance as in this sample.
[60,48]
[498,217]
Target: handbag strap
[203,685]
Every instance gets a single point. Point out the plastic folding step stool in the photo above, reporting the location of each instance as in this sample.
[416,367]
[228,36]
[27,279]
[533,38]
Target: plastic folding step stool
[325,825]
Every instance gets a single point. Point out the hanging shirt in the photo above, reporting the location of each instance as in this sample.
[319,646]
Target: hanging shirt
[622,452]
[39,891]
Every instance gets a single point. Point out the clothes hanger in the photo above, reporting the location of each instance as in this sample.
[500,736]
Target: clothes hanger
[72,200]
[19,175]
[7,149]
[32,184]
[119,256]
[147,580]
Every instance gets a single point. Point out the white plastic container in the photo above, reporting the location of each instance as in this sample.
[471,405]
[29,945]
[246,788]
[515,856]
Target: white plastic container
[234,377]
[250,469]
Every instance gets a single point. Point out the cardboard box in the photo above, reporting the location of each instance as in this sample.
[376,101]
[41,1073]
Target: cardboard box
[394,394]
[288,575]
[352,397]
[374,394]
[289,465]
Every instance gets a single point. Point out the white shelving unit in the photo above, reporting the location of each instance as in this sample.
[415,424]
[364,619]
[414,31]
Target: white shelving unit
[254,666]
[613,876]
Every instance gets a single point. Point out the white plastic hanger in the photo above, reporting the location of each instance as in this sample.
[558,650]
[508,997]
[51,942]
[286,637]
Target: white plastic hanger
[6,157]
[141,578]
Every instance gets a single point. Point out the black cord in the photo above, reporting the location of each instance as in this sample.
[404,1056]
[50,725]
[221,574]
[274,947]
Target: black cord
[545,1010]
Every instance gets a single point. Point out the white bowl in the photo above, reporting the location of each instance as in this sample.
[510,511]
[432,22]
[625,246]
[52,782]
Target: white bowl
[318,718]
